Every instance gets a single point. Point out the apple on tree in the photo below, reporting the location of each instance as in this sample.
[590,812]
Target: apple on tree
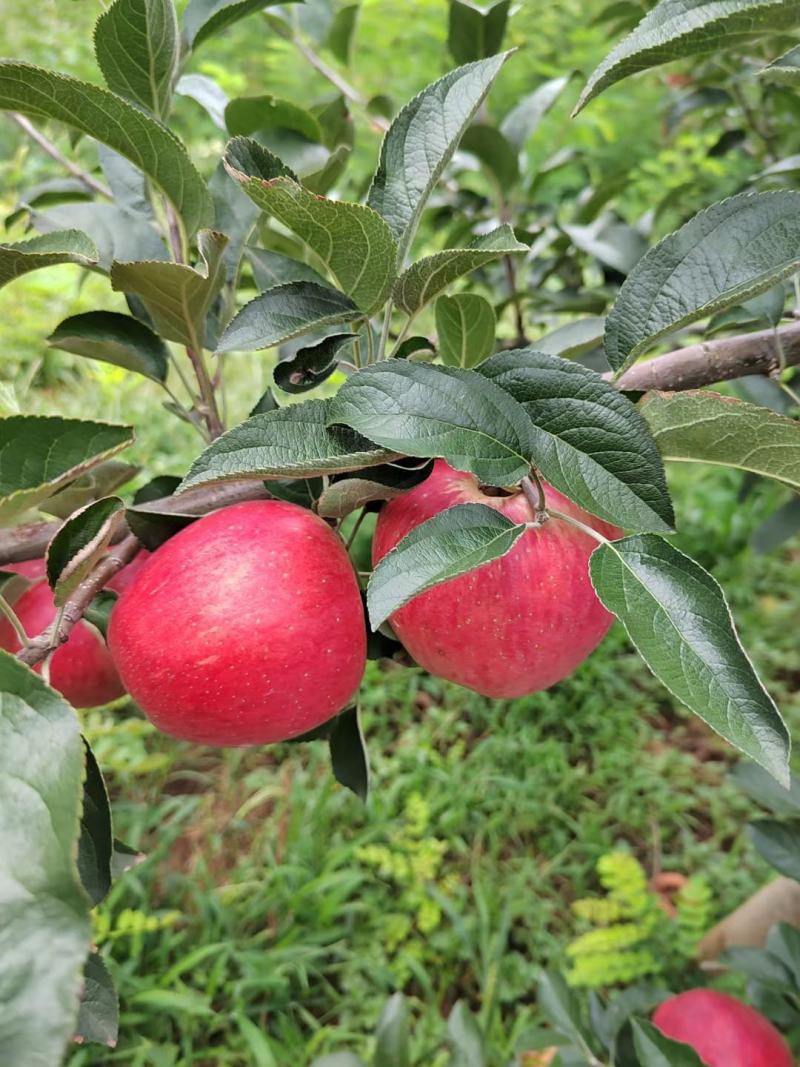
[722,1030]
[245,628]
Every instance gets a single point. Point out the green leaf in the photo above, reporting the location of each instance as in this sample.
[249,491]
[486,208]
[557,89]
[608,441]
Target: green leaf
[590,441]
[271,269]
[61,246]
[284,312]
[204,18]
[560,1005]
[176,296]
[730,252]
[96,843]
[113,338]
[426,278]
[466,1040]
[757,965]
[290,442]
[80,543]
[457,415]
[349,753]
[41,94]
[350,240]
[785,68]
[465,324]
[392,1038]
[761,788]
[99,611]
[677,617]
[574,338]
[208,94]
[499,157]
[678,28]
[98,1015]
[451,543]
[40,454]
[778,527]
[311,365]
[153,528]
[250,114]
[339,1059]
[137,48]
[474,32]
[523,119]
[421,141]
[114,232]
[700,426]
[779,844]
[44,923]
[656,1050]
[342,32]
[380,483]
[100,481]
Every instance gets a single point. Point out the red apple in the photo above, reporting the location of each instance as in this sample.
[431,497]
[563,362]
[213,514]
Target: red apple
[82,669]
[28,568]
[513,626]
[122,579]
[723,1031]
[245,628]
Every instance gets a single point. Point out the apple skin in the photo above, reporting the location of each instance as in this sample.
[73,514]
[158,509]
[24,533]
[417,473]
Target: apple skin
[122,579]
[245,628]
[513,626]
[82,670]
[32,569]
[722,1030]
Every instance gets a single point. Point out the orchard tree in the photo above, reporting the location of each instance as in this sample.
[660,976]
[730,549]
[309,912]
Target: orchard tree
[522,495]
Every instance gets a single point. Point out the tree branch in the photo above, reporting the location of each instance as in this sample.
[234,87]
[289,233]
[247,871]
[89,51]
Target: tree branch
[47,146]
[715,361]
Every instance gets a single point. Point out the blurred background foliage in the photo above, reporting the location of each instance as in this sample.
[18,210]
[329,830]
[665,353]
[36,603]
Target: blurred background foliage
[273,913]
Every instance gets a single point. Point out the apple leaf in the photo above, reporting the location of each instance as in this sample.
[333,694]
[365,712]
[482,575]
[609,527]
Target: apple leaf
[285,312]
[677,617]
[248,114]
[40,454]
[700,426]
[779,844]
[47,250]
[496,154]
[451,543]
[347,494]
[426,278]
[392,1034]
[290,442]
[349,753]
[678,28]
[523,119]
[311,365]
[99,481]
[204,18]
[113,338]
[98,1014]
[420,143]
[96,843]
[785,68]
[466,1039]
[177,296]
[561,1006]
[42,94]
[457,415]
[656,1050]
[114,232]
[574,338]
[342,32]
[271,269]
[80,543]
[778,527]
[350,240]
[590,441]
[702,268]
[763,789]
[137,47]
[207,93]
[475,33]
[43,911]
[465,324]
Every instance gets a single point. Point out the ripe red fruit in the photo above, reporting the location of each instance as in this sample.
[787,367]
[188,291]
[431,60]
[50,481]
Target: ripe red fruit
[245,628]
[28,568]
[723,1031]
[516,625]
[82,669]
[122,579]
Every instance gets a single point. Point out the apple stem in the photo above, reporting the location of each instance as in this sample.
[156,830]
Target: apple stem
[581,526]
[534,493]
[356,527]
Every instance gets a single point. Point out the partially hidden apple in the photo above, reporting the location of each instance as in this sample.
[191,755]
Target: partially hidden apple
[722,1030]
[82,669]
[245,628]
[513,626]
[122,579]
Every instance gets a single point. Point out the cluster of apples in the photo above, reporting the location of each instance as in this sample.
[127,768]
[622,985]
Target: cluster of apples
[248,627]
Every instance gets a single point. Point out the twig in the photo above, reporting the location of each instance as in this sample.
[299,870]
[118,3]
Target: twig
[47,146]
[51,639]
[338,82]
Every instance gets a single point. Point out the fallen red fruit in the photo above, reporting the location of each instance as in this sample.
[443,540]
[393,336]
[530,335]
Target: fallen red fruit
[82,669]
[513,626]
[122,579]
[722,1030]
[245,628]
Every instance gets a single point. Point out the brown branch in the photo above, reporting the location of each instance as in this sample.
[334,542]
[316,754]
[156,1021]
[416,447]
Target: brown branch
[715,361]
[47,146]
